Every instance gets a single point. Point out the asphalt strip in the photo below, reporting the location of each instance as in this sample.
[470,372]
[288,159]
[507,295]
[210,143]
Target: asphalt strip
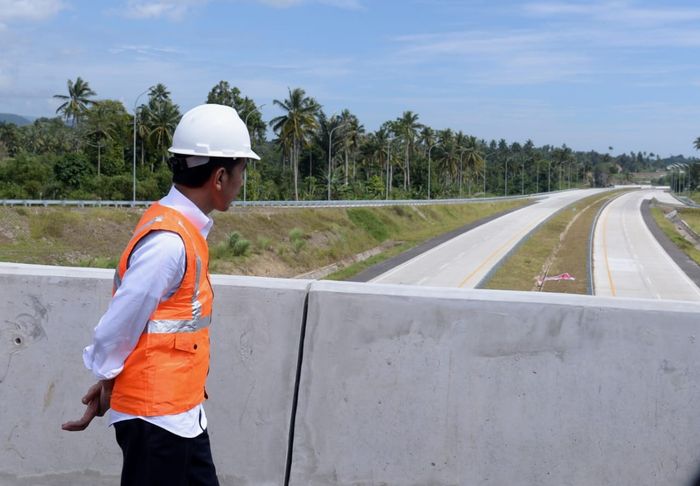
[382,267]
[691,269]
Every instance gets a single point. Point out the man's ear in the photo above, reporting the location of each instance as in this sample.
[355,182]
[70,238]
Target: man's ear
[218,177]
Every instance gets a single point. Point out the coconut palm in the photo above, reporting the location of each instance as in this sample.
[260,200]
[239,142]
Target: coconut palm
[350,139]
[76,101]
[100,127]
[158,94]
[295,126]
[407,127]
[473,157]
[162,118]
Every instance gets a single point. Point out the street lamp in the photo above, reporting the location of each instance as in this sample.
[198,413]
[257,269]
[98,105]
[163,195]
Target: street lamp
[484,158]
[330,150]
[133,195]
[388,164]
[429,150]
[461,153]
[245,174]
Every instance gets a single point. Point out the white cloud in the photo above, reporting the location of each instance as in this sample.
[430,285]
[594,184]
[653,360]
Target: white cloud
[145,50]
[344,4]
[618,12]
[177,9]
[29,9]
[172,9]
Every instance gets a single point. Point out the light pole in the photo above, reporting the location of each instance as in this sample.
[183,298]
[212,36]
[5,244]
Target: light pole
[133,195]
[484,175]
[388,162]
[461,153]
[245,174]
[330,150]
[429,150]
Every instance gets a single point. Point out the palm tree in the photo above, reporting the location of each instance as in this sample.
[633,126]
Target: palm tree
[696,144]
[296,126]
[101,126]
[162,119]
[76,101]
[158,94]
[473,157]
[407,127]
[350,139]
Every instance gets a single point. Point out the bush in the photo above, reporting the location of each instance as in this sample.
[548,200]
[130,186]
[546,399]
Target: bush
[240,248]
[296,235]
[233,238]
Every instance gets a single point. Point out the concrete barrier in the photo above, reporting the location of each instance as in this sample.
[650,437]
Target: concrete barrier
[418,386]
[399,385]
[48,316]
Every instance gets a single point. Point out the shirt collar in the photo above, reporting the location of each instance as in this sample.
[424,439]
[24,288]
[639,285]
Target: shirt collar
[179,202]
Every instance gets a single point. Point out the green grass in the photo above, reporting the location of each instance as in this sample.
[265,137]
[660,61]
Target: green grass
[367,220]
[559,245]
[281,242]
[692,218]
[670,230]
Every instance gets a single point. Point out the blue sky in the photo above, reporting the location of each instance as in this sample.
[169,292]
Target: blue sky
[589,74]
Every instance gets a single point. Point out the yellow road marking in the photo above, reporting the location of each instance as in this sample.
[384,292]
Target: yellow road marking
[496,252]
[605,253]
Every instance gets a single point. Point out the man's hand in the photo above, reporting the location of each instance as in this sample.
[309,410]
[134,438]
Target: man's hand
[97,400]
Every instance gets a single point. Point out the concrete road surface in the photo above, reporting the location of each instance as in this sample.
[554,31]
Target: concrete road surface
[465,260]
[627,259]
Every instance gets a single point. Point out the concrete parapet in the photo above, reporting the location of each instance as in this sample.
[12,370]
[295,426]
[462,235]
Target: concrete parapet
[418,386]
[399,385]
[48,316]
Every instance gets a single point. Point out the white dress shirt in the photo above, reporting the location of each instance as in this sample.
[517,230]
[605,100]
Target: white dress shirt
[155,271]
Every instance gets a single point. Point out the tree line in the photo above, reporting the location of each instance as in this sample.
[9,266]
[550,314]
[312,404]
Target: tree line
[88,151]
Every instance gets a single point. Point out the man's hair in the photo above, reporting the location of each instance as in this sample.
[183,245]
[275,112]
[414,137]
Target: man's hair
[196,176]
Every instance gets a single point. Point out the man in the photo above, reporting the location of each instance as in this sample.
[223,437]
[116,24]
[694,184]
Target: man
[151,348]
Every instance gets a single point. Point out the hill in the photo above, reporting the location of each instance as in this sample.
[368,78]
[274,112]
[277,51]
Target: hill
[16,119]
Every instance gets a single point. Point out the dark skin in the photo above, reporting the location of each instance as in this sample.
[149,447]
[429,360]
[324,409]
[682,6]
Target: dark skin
[220,190]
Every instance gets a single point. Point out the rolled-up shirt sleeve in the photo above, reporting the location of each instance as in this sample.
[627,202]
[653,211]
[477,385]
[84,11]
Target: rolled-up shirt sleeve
[156,268]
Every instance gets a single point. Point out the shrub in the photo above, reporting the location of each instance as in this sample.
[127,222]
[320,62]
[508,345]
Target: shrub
[296,235]
[233,238]
[240,248]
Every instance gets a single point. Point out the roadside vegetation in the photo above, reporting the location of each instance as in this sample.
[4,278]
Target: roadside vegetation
[558,246]
[87,152]
[692,218]
[271,242]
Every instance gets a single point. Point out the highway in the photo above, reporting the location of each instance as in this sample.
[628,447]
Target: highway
[627,259]
[465,260]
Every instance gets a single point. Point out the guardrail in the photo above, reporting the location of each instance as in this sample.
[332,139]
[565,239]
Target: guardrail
[281,204]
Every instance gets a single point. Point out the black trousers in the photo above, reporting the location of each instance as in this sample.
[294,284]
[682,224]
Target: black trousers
[155,457]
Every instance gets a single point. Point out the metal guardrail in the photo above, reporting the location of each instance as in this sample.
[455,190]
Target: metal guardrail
[278,204]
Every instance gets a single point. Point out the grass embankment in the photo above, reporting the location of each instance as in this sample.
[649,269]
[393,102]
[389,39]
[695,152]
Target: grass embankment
[270,242]
[559,246]
[690,216]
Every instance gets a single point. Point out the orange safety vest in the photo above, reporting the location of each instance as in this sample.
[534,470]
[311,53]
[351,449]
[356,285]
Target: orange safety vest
[166,372]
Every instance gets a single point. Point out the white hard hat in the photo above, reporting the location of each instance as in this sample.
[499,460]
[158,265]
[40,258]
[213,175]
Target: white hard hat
[212,131]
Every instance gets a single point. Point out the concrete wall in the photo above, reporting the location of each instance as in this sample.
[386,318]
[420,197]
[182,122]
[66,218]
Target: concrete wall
[51,311]
[399,385]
